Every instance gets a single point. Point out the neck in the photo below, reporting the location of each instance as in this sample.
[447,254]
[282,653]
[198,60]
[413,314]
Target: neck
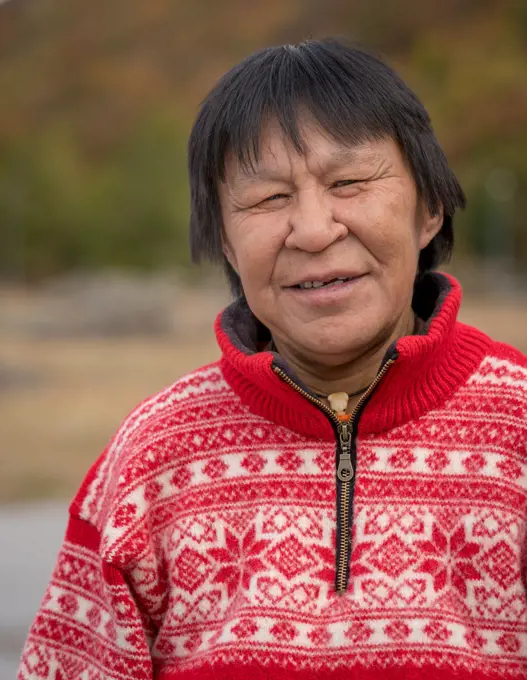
[354,374]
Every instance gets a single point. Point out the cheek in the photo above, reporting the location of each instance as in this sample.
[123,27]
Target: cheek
[384,224]
[256,244]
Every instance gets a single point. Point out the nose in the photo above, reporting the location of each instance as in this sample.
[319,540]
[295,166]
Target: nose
[312,224]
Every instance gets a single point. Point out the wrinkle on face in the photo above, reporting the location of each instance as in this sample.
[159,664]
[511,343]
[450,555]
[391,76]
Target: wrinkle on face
[360,160]
[295,212]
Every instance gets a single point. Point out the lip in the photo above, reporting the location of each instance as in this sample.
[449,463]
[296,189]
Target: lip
[325,276]
[327,295]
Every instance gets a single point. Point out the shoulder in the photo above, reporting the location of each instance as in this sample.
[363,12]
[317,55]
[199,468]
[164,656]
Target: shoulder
[503,365]
[507,353]
[148,440]
[499,386]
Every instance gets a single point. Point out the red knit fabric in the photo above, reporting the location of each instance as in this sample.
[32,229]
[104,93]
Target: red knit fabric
[202,543]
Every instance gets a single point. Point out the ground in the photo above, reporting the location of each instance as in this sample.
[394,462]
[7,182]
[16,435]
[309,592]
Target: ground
[54,424]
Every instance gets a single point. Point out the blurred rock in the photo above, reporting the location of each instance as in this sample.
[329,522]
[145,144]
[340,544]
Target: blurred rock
[30,537]
[12,377]
[113,305]
[106,305]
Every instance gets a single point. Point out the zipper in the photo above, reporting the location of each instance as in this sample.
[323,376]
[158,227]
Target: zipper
[347,439]
[346,431]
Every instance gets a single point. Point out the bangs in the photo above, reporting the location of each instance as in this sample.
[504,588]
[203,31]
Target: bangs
[290,85]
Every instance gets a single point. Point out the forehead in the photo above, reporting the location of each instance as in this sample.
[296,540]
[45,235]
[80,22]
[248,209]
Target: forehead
[320,151]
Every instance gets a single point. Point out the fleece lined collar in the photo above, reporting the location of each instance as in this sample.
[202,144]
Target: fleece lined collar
[427,371]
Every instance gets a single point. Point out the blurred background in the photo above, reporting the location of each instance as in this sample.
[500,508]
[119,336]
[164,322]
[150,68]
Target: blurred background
[99,306]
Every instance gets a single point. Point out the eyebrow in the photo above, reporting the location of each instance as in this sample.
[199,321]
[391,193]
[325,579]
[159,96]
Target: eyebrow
[341,157]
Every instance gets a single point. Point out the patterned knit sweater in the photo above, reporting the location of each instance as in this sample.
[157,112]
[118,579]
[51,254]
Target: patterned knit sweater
[210,538]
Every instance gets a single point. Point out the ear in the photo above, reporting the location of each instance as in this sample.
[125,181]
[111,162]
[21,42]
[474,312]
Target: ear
[430,226]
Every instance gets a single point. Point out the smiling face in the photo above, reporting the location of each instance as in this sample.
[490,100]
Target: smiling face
[326,243]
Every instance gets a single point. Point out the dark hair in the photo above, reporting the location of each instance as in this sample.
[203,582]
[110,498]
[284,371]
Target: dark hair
[351,94]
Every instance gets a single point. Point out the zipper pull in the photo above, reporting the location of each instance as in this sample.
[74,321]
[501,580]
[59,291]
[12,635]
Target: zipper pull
[345,470]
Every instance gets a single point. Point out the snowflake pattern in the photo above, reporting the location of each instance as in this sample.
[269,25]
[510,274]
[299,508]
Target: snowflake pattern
[238,560]
[449,559]
[220,545]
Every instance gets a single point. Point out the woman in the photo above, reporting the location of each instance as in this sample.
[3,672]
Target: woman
[344,493]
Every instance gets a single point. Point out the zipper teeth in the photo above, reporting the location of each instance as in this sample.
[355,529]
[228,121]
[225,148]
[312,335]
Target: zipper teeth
[379,377]
[323,406]
[343,563]
[344,537]
[312,399]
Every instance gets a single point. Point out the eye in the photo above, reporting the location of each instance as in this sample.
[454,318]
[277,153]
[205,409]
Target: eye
[275,197]
[276,200]
[344,183]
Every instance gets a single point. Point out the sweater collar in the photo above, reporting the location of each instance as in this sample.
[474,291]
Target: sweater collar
[427,370]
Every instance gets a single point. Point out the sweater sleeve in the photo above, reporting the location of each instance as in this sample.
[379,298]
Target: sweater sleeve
[89,624]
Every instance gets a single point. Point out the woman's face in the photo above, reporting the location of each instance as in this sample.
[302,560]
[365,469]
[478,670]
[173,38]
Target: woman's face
[326,244]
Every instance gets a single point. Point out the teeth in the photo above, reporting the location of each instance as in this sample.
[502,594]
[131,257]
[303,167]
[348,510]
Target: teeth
[319,284]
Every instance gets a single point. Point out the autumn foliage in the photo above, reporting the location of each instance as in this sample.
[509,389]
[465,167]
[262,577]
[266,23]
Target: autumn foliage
[97,101]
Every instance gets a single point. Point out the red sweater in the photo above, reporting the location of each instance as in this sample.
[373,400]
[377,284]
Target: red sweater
[210,537]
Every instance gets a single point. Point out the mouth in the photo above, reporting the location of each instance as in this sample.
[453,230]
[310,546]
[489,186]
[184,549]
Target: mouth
[306,285]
